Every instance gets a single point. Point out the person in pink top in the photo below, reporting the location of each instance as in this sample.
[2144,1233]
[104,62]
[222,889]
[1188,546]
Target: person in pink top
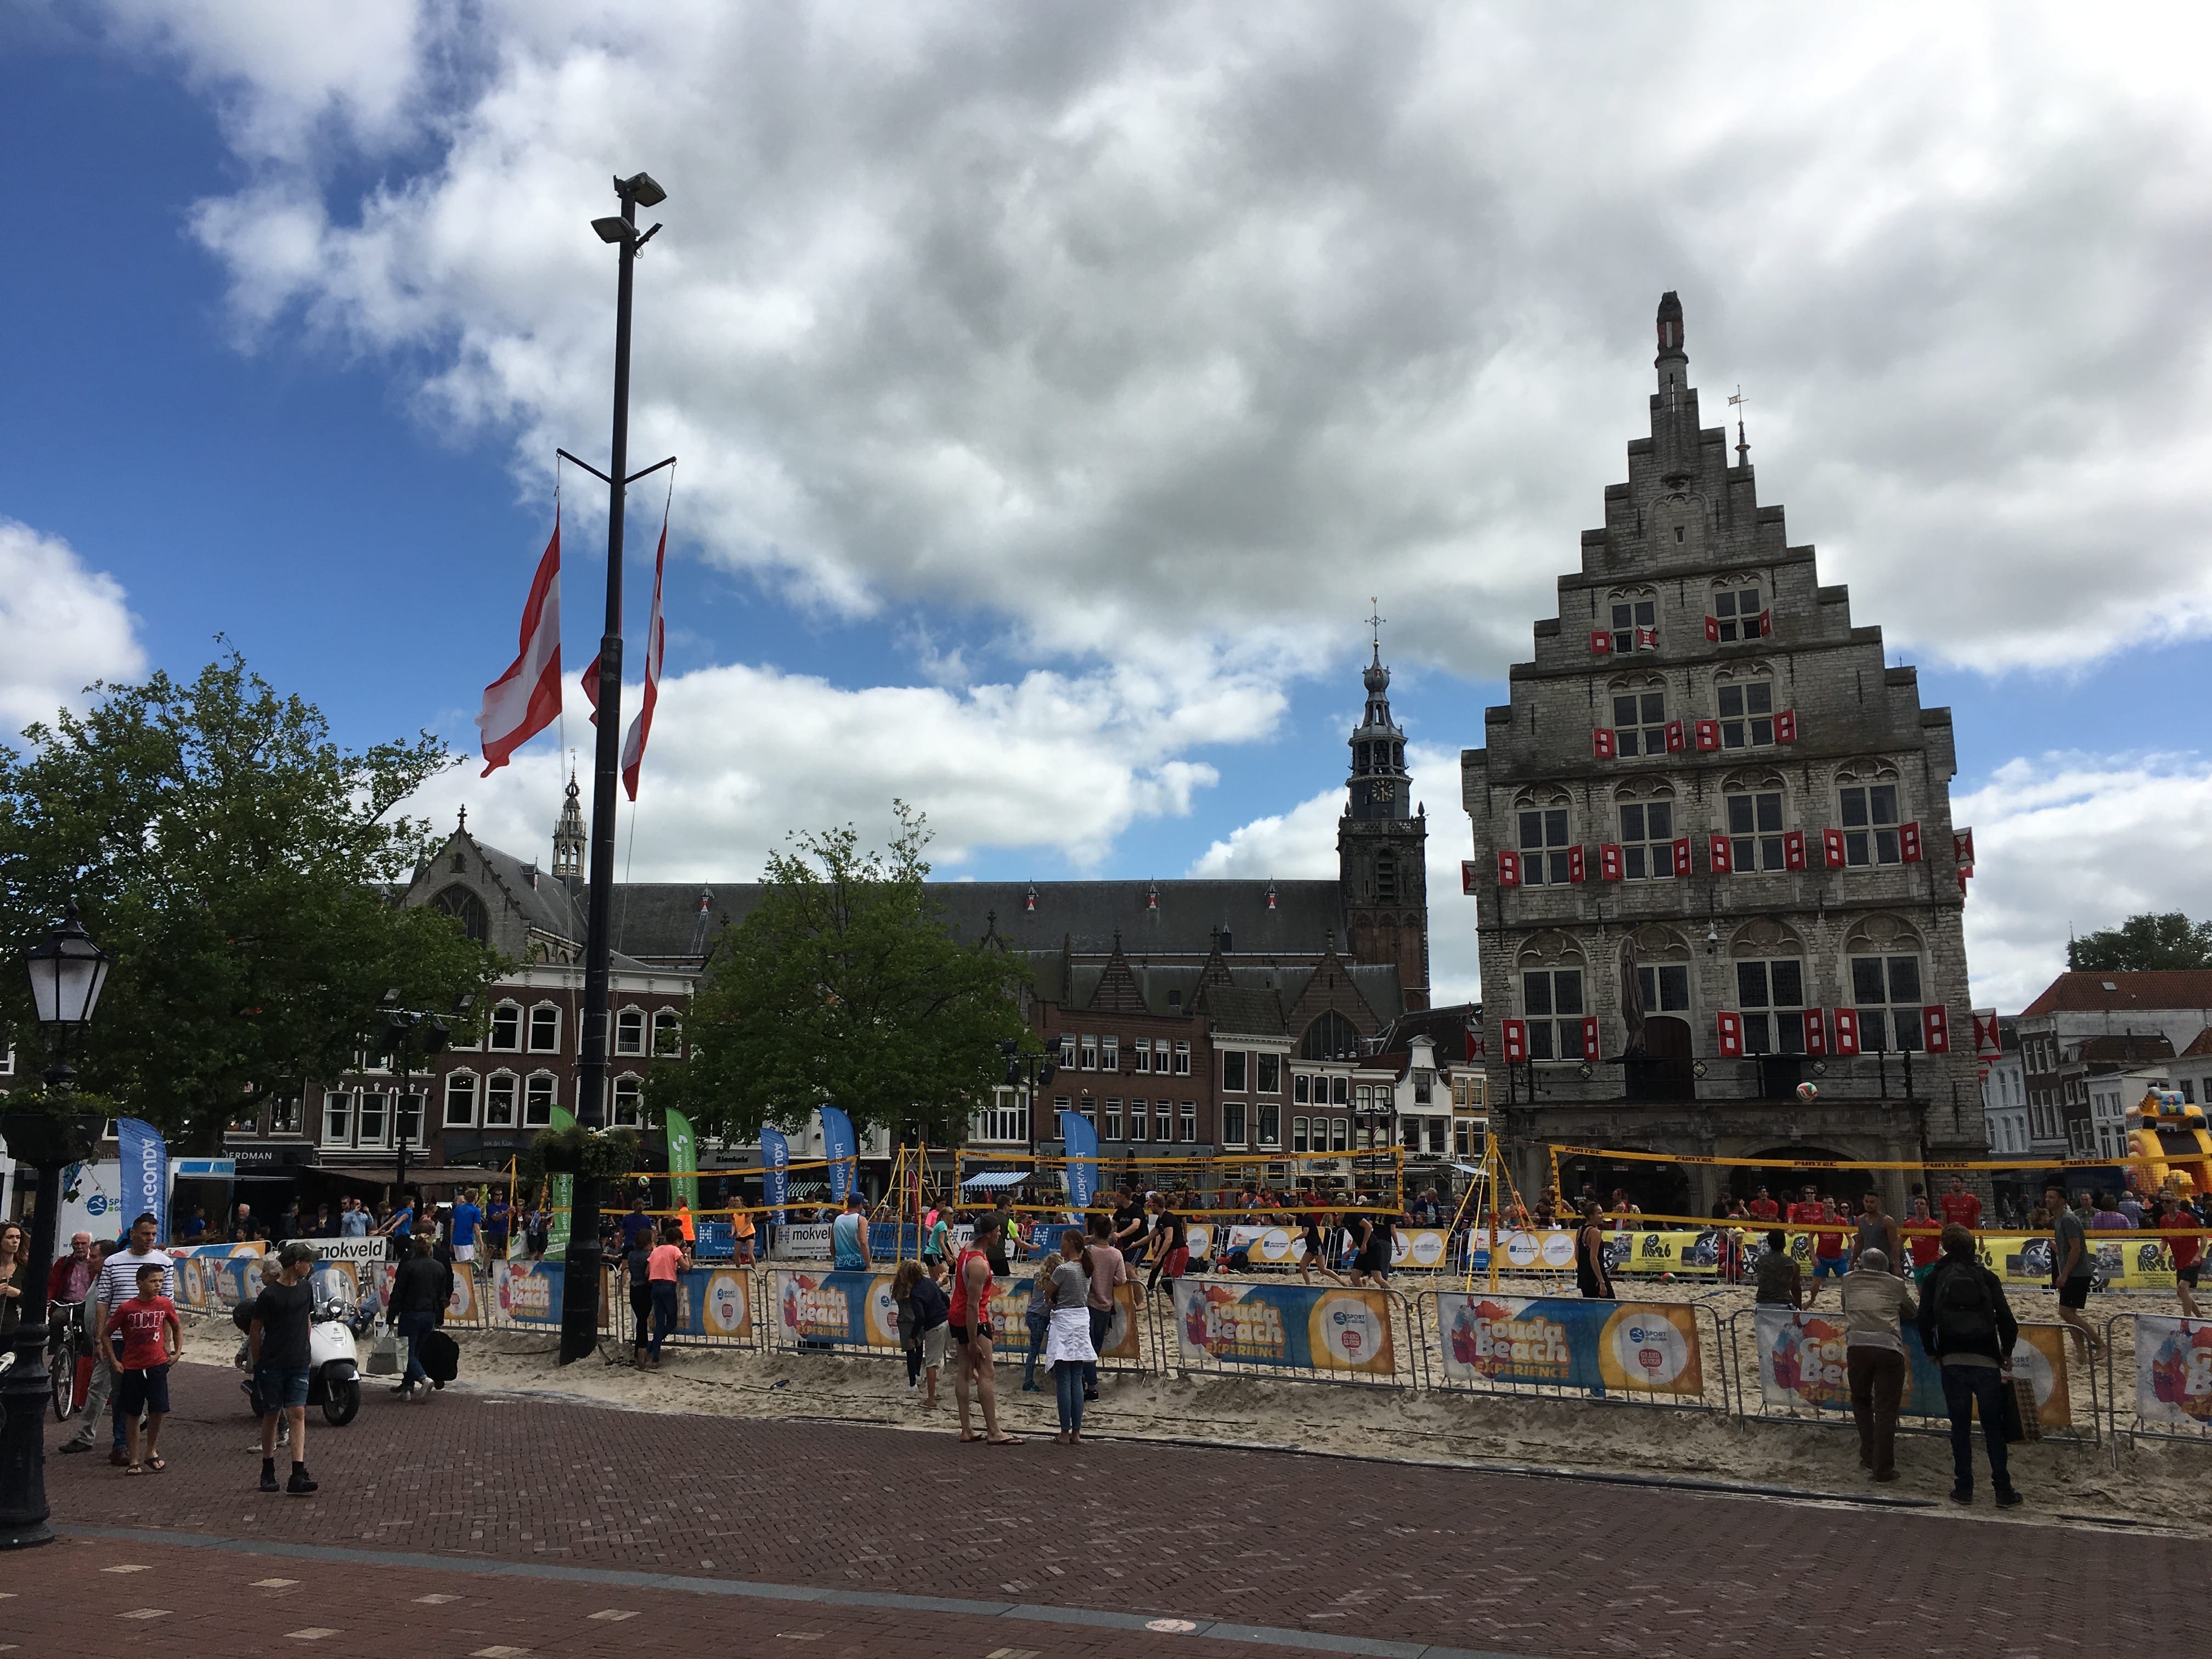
[668,1260]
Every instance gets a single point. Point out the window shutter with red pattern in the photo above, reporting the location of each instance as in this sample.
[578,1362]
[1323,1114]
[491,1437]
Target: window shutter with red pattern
[1832,847]
[1608,861]
[1847,1031]
[1716,855]
[1601,742]
[1509,868]
[1936,1029]
[1816,1031]
[1730,1025]
[1793,849]
[1908,842]
[1514,1035]
[1785,726]
[1578,863]
[1709,734]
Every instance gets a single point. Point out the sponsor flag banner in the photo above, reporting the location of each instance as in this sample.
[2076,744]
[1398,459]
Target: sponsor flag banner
[1080,1137]
[2173,1372]
[144,1158]
[775,1154]
[1639,1347]
[526,699]
[1283,1327]
[682,1158]
[839,1148]
[1801,1364]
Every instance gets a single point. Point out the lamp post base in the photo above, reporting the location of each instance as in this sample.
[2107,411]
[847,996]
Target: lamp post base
[23,1507]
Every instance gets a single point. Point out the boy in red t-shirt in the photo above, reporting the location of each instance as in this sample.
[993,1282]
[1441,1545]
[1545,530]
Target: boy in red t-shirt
[151,1340]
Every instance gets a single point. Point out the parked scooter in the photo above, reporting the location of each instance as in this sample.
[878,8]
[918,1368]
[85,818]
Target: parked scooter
[333,1365]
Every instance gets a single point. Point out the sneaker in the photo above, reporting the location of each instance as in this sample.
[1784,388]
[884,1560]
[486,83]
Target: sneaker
[2009,1499]
[1090,1394]
[268,1476]
[404,1388]
[299,1486]
[1962,1494]
[86,1445]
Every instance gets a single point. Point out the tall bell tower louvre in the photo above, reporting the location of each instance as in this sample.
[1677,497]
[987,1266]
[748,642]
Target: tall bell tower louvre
[1713,852]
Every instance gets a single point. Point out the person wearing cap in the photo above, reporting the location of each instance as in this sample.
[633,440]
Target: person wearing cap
[276,1338]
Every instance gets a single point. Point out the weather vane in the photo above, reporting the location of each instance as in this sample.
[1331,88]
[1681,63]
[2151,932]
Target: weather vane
[1376,621]
[1742,448]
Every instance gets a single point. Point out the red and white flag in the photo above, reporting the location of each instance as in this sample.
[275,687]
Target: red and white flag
[632,755]
[526,699]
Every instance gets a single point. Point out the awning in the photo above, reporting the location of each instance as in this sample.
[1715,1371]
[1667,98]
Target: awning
[1465,1169]
[1001,1178]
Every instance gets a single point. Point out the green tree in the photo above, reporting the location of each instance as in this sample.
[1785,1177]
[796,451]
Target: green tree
[844,988]
[2144,942]
[235,863]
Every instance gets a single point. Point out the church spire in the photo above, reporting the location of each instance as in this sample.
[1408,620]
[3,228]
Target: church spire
[1378,780]
[568,840]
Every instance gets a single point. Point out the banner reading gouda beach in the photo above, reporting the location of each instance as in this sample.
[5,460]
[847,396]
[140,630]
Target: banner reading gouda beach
[1293,1326]
[1643,1348]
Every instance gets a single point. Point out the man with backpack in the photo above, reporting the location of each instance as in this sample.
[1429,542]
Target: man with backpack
[1968,1331]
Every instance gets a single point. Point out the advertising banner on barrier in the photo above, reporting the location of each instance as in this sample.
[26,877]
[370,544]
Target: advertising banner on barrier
[1801,1362]
[2173,1372]
[528,1292]
[1411,1249]
[2122,1262]
[346,1249]
[1532,1250]
[1645,1348]
[714,1302]
[1296,1327]
[847,1309]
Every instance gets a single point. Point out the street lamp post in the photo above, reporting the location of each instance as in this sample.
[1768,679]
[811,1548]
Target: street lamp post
[67,973]
[405,1031]
[580,1278]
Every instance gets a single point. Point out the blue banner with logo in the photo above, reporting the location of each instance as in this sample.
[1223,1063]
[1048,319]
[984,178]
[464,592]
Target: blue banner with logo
[1293,1326]
[1598,1347]
[145,1159]
[1079,1136]
[840,1148]
[776,1153]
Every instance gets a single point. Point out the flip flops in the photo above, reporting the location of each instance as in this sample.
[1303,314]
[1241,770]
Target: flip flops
[157,1464]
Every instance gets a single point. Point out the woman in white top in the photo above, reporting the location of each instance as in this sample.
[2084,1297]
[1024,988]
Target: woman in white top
[1067,1347]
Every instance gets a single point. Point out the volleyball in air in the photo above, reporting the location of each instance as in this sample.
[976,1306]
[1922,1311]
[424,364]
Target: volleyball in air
[1808,1093]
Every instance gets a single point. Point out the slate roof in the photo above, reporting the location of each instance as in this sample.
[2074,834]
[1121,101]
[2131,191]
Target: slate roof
[2162,988]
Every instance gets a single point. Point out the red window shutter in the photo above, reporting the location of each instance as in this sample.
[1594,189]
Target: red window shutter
[1647,639]
[1601,642]
[1608,861]
[1908,842]
[1601,742]
[1936,1029]
[1793,849]
[1509,868]
[1785,726]
[1716,855]
[1816,1032]
[1578,863]
[1515,1034]
[1731,1033]
[1478,1045]
[1590,1036]
[1963,873]
[1709,734]
[1681,855]
[1766,624]
[1832,846]
[1469,873]
[1962,847]
[1712,630]
[1673,737]
[1847,1031]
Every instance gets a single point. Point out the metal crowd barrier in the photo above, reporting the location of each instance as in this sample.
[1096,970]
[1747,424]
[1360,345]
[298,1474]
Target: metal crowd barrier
[1648,1353]
[1242,1326]
[2172,1396]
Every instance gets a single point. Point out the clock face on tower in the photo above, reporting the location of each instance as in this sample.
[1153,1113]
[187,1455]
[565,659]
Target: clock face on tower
[1382,791]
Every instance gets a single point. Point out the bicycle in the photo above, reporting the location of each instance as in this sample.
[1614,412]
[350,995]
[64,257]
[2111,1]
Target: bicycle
[65,1343]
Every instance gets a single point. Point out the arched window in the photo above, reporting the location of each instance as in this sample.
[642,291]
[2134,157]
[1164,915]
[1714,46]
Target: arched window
[499,1100]
[460,1100]
[465,907]
[1552,1002]
[1736,607]
[1883,956]
[1743,696]
[506,1028]
[1663,969]
[1773,988]
[1630,609]
[668,1034]
[1647,832]
[629,1099]
[1751,806]
[1869,811]
[545,1028]
[1543,820]
[1330,1037]
[1640,714]
[629,1031]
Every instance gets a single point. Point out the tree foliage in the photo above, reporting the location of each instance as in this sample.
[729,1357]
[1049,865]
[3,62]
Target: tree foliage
[232,861]
[2144,942]
[844,988]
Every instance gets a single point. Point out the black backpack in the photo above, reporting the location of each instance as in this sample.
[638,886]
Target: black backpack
[1965,1312]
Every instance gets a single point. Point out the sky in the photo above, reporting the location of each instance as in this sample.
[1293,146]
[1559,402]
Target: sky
[1054,390]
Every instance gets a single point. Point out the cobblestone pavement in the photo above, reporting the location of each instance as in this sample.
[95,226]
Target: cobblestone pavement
[1318,1554]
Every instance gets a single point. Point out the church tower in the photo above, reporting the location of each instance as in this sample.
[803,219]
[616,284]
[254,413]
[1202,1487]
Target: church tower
[568,840]
[1380,845]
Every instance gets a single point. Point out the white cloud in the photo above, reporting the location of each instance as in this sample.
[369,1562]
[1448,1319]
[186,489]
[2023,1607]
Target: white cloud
[1122,328]
[2078,841]
[62,626]
[1300,845]
[739,755]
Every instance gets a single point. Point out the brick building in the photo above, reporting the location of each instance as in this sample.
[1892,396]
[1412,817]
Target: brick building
[2088,1025]
[1713,851]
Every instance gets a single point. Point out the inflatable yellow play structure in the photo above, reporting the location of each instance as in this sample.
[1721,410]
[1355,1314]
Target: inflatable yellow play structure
[2171,1134]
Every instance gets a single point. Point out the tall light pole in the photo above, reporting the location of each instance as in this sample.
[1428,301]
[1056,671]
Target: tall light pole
[579,1279]
[67,972]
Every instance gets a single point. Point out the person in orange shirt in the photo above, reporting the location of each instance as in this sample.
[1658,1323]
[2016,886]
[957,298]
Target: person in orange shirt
[743,1231]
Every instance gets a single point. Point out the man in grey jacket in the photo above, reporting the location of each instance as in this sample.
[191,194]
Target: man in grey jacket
[1876,1303]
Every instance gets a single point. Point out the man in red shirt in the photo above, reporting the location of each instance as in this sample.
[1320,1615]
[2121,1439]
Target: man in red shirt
[1832,1257]
[151,1337]
[1923,1242]
[1961,1205]
[1763,1208]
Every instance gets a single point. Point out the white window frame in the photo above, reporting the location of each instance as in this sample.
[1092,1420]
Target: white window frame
[1749,725]
[1141,1056]
[1267,1125]
[1646,736]
[1773,1025]
[1729,599]
[1646,857]
[1233,1123]
[626,1101]
[667,1034]
[1243,1059]
[338,1106]
[500,1009]
[1544,831]
[1109,1054]
[1088,1043]
[474,1095]
[1109,1119]
[1878,1020]
[382,1137]
[1554,1035]
[1188,1118]
[1756,849]
[513,1092]
[1874,840]
[541,1092]
[631,1029]
[531,1028]
[1181,1057]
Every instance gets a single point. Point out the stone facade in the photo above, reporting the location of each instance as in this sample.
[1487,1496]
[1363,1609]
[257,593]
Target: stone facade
[1715,822]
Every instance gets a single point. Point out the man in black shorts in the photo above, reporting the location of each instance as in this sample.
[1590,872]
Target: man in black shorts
[2072,1267]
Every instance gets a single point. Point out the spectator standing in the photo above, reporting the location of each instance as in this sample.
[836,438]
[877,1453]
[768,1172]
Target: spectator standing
[97,1398]
[1068,1348]
[70,1279]
[196,1224]
[2072,1268]
[1777,1278]
[1968,1330]
[1108,1268]
[243,1228]
[146,1327]
[1959,1207]
[1036,1315]
[1763,1208]
[117,1284]
[277,1342]
[353,1220]
[637,1277]
[498,1217]
[2109,1219]
[1875,1305]
[1923,1241]
[971,1329]
[14,1275]
[420,1292]
[637,1225]
[2131,1206]
[931,1313]
[848,1237]
[669,1259]
[1591,1278]
[400,1223]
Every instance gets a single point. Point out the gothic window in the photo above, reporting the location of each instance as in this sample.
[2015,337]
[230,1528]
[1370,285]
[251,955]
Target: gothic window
[1666,987]
[1632,608]
[629,1031]
[1386,875]
[1751,806]
[1639,716]
[1332,1036]
[1543,822]
[465,907]
[1865,799]
[1771,994]
[1736,609]
[1884,958]
[1647,836]
[1552,1001]
[1745,704]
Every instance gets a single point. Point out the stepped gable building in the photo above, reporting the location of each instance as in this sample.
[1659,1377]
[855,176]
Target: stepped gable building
[1714,854]
[1237,1015]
